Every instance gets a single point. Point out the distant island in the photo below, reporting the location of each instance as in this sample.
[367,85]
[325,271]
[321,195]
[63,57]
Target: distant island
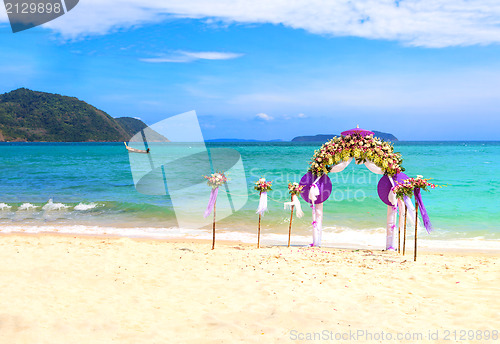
[31,116]
[326,137]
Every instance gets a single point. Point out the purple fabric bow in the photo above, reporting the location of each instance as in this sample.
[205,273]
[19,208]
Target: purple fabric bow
[423,211]
[211,202]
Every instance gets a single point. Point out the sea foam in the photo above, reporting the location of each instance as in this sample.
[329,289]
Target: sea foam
[27,206]
[4,206]
[82,206]
[54,206]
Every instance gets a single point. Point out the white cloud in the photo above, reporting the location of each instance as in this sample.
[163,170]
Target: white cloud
[288,117]
[264,117]
[188,56]
[437,23]
[212,55]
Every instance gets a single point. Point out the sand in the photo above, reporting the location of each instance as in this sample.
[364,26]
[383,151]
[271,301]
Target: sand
[66,289]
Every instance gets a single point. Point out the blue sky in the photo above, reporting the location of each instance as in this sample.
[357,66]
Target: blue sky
[272,71]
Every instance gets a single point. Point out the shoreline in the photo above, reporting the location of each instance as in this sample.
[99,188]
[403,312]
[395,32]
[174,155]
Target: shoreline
[225,243]
[269,239]
[234,243]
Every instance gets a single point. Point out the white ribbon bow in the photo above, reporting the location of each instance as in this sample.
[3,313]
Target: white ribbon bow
[295,202]
[262,204]
[313,193]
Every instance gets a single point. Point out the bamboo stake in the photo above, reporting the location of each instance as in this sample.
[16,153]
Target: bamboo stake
[213,241]
[290,226]
[258,234]
[404,235]
[416,226]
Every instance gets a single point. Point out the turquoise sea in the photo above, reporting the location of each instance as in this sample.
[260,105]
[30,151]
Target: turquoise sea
[88,188]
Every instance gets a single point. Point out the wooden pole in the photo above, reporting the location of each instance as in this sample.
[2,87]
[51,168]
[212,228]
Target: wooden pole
[258,234]
[404,235]
[213,230]
[416,226]
[290,226]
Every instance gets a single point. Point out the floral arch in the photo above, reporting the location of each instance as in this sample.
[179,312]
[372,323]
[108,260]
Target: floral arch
[360,145]
[335,155]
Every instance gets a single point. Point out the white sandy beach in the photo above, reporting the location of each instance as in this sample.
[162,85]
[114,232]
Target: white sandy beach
[67,289]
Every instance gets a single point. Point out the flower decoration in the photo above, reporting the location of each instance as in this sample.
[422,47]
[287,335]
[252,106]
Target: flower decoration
[362,148]
[295,188]
[407,187]
[215,180]
[262,185]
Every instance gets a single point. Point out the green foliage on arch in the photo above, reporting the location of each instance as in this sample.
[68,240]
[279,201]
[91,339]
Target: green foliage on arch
[339,149]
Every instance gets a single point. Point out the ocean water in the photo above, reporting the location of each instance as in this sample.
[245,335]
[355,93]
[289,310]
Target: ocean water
[88,188]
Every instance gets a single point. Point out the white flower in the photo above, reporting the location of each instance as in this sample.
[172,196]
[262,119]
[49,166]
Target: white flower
[262,180]
[420,177]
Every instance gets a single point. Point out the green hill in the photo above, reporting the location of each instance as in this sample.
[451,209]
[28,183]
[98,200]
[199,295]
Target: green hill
[29,116]
[131,125]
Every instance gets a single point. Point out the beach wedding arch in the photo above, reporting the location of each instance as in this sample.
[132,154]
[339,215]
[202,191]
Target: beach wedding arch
[379,157]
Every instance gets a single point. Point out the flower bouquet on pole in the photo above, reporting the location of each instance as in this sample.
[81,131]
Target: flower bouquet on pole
[263,187]
[405,191]
[214,181]
[294,189]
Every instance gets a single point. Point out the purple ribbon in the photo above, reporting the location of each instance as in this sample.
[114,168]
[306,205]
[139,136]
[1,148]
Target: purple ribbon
[211,202]
[425,216]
